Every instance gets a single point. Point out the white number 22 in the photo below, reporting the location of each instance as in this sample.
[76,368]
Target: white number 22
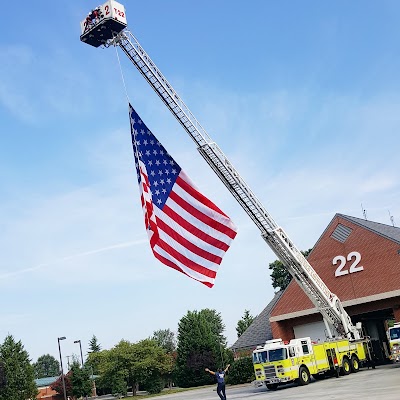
[340,271]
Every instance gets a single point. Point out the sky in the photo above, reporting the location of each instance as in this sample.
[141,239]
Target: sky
[303,98]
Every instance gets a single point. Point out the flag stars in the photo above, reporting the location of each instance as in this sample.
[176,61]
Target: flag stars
[171,162]
[157,192]
[159,201]
[152,173]
[166,172]
[142,131]
[162,181]
[165,162]
[160,172]
[169,181]
[140,122]
[145,142]
[155,152]
[150,163]
[148,153]
[152,142]
[174,171]
[164,191]
[149,133]
[155,183]
[162,152]
[158,162]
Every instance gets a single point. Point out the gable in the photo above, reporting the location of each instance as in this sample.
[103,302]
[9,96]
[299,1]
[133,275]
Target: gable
[355,259]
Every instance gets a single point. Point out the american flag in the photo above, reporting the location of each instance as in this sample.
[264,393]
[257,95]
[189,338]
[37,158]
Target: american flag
[187,231]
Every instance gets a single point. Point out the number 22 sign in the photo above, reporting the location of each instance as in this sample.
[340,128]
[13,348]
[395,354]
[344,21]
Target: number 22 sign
[354,267]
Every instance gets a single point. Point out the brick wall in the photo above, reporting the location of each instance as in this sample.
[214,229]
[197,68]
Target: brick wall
[381,273]
[379,258]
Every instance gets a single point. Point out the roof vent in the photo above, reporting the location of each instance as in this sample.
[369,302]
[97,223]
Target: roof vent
[341,233]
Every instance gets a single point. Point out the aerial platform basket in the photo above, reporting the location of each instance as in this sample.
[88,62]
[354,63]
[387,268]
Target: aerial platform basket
[103,23]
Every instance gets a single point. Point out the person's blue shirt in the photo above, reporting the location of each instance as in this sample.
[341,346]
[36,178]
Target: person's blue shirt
[220,376]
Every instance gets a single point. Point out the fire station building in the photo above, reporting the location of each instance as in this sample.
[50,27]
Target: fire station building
[359,261]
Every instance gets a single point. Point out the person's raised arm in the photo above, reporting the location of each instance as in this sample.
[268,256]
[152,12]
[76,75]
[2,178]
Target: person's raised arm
[227,367]
[211,372]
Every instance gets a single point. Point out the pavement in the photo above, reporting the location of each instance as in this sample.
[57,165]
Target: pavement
[380,383]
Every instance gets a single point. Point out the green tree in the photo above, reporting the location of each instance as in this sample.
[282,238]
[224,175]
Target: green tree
[80,381]
[18,372]
[165,338]
[94,345]
[244,323]
[46,366]
[201,344]
[280,275]
[241,371]
[141,363]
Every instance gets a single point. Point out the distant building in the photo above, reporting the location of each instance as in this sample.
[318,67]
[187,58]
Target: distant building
[45,390]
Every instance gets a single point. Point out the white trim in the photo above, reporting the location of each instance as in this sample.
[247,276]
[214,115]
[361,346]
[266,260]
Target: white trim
[348,303]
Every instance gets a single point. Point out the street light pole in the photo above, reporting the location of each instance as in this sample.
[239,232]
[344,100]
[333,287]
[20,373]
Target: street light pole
[62,370]
[80,346]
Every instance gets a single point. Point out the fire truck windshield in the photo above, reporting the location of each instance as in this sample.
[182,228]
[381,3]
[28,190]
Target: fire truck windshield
[394,333]
[277,354]
[260,357]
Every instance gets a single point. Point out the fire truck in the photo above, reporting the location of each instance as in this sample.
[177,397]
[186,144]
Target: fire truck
[394,342]
[278,363]
[106,27]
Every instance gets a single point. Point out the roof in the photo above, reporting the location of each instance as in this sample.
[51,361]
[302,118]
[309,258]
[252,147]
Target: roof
[387,231]
[260,329]
[44,382]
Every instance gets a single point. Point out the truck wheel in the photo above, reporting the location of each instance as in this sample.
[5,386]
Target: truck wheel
[355,364]
[304,376]
[272,386]
[346,367]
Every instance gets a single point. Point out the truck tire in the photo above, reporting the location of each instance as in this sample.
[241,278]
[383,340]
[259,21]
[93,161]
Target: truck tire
[304,376]
[355,364]
[272,386]
[346,366]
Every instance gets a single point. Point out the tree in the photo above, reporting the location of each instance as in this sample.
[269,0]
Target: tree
[58,385]
[18,373]
[80,381]
[201,344]
[46,366]
[244,323]
[280,275]
[165,338]
[241,371]
[142,363]
[94,345]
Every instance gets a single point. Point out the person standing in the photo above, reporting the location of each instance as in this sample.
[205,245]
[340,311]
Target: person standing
[220,376]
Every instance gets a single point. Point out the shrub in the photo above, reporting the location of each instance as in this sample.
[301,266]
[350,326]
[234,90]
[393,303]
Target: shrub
[241,371]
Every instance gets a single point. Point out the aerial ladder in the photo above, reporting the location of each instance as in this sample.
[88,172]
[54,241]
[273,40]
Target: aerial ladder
[107,26]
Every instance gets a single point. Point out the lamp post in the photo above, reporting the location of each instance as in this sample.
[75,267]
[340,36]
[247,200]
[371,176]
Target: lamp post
[62,370]
[80,346]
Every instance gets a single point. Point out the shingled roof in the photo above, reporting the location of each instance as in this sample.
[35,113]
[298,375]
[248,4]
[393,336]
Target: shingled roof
[389,232]
[260,329]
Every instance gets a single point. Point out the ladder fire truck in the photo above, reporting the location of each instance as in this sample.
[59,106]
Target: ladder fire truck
[107,26]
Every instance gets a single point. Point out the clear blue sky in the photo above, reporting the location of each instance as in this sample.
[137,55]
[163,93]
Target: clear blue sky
[303,97]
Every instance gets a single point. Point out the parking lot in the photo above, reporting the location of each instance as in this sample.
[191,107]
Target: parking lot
[380,383]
